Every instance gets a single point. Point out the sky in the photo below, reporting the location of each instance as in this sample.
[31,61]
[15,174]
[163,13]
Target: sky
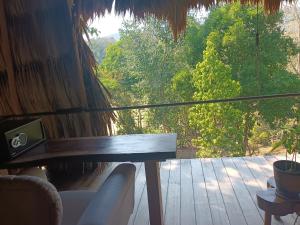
[109,24]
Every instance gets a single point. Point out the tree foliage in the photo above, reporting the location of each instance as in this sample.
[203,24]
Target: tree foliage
[244,41]
[237,51]
[219,126]
[148,65]
[99,46]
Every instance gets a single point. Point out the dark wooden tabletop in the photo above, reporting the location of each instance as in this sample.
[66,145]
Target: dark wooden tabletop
[134,148]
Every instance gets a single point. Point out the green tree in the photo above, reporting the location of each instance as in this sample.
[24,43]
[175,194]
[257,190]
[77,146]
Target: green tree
[219,126]
[149,66]
[257,61]
[99,45]
[116,77]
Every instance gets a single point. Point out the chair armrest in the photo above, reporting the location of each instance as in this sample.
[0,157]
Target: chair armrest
[113,203]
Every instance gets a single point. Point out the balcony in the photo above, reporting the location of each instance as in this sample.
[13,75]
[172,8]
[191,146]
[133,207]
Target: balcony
[219,191]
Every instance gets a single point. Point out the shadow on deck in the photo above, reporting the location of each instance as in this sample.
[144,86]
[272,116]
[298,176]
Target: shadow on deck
[208,191]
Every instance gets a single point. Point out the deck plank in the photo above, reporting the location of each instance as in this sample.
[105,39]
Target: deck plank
[187,206]
[249,180]
[172,214]
[142,214]
[219,215]
[264,165]
[270,159]
[252,179]
[257,171]
[233,209]
[208,192]
[262,170]
[248,207]
[202,207]
[164,176]
[140,184]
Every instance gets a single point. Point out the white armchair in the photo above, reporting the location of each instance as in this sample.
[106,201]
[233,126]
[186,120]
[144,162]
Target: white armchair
[27,200]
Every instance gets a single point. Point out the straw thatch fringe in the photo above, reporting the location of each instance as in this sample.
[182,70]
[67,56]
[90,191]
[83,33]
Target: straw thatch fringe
[97,95]
[21,7]
[53,68]
[2,63]
[91,8]
[174,11]
[4,93]
[41,35]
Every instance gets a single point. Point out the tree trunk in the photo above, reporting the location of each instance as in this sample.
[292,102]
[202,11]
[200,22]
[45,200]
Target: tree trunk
[139,119]
[246,134]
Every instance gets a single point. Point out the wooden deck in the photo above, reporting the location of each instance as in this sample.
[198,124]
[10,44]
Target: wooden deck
[208,192]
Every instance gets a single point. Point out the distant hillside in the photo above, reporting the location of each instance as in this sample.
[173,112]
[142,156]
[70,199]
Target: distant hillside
[116,36]
[98,46]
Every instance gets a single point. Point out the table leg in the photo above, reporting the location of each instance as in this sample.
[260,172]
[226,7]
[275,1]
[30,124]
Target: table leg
[268,218]
[154,192]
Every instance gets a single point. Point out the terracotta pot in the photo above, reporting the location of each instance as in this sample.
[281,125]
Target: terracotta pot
[287,181]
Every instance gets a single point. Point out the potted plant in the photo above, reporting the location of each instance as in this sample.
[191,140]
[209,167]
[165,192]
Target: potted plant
[287,172]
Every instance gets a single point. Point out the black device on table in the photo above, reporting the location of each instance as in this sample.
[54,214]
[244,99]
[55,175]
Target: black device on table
[19,136]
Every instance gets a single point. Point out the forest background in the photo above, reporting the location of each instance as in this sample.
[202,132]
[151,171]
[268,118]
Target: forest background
[234,51]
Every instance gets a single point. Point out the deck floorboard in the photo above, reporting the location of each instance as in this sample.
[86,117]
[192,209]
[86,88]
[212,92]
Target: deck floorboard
[232,205]
[247,204]
[187,200]
[172,208]
[209,192]
[202,207]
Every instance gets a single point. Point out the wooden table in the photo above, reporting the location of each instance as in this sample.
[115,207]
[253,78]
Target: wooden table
[147,148]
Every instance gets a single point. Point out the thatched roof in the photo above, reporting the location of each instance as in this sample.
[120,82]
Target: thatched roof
[174,11]
[45,65]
